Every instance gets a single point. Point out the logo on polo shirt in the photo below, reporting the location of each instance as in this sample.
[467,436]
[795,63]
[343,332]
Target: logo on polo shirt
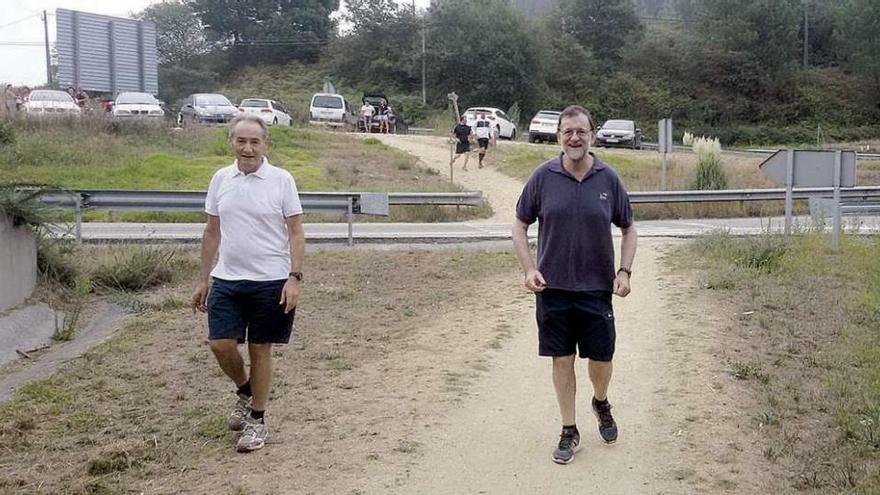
[603,196]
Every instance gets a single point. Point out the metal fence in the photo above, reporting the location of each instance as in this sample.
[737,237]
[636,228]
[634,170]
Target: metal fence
[348,203]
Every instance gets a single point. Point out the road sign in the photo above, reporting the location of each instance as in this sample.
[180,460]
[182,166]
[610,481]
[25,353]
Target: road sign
[109,54]
[811,168]
[664,141]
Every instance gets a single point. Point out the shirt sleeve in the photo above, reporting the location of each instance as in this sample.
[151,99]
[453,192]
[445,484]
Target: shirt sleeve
[622,216]
[212,206]
[290,203]
[527,206]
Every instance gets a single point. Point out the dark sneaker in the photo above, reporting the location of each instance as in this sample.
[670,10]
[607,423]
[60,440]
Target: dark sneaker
[240,413]
[607,426]
[569,443]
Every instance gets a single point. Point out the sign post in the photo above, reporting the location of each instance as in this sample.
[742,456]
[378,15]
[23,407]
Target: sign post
[664,146]
[812,168]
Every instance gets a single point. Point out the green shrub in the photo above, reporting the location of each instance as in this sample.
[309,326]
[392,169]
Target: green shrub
[22,208]
[7,134]
[136,268]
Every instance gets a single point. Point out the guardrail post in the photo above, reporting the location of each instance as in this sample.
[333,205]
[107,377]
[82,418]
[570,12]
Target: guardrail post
[835,227]
[789,184]
[78,216]
[350,217]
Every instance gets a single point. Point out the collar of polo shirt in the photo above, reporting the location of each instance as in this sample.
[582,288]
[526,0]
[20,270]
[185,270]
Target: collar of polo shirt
[259,172]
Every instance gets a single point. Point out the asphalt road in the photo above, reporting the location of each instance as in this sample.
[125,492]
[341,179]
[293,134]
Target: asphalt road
[451,232]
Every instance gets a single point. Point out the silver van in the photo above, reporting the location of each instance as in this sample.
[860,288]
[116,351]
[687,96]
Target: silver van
[332,110]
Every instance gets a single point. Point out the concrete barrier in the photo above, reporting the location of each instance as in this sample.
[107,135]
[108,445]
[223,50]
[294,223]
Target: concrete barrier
[18,264]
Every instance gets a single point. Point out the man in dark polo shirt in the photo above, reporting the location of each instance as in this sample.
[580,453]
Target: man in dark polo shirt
[575,198]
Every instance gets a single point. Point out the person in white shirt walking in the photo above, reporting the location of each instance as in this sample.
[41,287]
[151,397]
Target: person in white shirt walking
[367,112]
[255,222]
[483,131]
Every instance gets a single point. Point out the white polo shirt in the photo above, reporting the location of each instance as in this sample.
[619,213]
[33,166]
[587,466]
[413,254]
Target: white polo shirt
[253,211]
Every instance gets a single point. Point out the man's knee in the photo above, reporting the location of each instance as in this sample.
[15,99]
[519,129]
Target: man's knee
[260,350]
[222,347]
[564,362]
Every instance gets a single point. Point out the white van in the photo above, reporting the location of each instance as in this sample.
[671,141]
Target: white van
[330,109]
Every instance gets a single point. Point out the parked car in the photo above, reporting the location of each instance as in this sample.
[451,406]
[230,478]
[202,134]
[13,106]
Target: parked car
[502,124]
[619,133]
[206,108]
[397,123]
[330,109]
[272,112]
[132,105]
[46,102]
[543,126]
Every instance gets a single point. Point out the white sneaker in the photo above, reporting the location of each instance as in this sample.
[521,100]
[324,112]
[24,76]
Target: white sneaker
[254,435]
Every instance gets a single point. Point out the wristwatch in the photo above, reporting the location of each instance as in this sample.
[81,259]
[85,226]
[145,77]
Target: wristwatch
[297,275]
[625,270]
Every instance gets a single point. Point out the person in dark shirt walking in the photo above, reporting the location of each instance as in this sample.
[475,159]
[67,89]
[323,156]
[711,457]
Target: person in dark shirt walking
[462,134]
[576,198]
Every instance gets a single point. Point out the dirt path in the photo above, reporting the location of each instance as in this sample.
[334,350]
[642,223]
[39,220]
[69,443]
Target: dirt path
[433,152]
[680,412]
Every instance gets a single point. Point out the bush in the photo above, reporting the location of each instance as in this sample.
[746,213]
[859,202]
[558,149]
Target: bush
[7,134]
[22,209]
[135,269]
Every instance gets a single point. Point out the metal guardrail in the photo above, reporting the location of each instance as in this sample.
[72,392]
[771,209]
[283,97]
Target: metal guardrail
[749,151]
[852,193]
[350,203]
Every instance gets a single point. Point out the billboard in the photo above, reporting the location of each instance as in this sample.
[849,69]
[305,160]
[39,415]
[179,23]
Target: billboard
[106,54]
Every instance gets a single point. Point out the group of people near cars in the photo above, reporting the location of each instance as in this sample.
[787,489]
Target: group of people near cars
[482,132]
[381,114]
[14,98]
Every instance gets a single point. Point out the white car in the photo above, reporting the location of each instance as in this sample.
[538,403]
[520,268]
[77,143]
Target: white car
[543,126]
[501,124]
[271,111]
[132,105]
[50,102]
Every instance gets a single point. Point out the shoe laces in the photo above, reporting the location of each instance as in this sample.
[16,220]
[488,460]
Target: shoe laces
[567,440]
[604,412]
[242,407]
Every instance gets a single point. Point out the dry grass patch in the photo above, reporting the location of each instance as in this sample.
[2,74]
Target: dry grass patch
[384,341]
[806,342]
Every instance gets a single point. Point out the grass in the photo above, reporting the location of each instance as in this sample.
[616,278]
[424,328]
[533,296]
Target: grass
[807,341]
[144,411]
[641,171]
[91,154]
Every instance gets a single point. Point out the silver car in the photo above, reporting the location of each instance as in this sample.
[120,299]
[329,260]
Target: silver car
[619,133]
[206,108]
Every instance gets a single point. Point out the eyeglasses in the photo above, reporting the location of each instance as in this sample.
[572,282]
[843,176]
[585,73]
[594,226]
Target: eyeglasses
[581,133]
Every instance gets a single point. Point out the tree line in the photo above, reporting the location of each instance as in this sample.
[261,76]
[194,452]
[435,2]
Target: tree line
[746,70]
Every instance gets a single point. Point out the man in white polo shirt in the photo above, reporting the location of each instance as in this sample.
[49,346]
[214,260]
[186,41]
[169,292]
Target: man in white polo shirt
[255,221]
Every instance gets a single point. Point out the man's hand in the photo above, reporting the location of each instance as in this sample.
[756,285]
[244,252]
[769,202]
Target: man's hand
[289,294]
[200,297]
[535,281]
[621,284]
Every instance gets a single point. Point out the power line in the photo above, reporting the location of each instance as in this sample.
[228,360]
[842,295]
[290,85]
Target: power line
[20,20]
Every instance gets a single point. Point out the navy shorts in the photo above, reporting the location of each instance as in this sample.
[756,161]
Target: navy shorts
[483,142]
[248,311]
[569,322]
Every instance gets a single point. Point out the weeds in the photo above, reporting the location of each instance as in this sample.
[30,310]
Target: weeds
[136,268]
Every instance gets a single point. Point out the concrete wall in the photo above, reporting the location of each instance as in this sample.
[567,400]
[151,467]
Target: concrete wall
[18,264]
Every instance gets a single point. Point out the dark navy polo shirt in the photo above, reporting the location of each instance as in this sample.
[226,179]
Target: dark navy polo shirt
[575,249]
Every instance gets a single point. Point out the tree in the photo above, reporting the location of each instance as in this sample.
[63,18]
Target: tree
[482,51]
[603,26]
[858,25]
[765,31]
[382,49]
[273,31]
[179,34]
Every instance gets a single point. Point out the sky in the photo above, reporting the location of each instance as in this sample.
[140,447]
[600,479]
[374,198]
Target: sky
[20,22]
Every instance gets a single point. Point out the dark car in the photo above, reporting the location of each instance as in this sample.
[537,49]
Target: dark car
[397,124]
[206,108]
[619,133]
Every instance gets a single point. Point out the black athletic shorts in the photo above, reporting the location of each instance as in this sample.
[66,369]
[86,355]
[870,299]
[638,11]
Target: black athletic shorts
[570,322]
[462,147]
[483,142]
[248,311]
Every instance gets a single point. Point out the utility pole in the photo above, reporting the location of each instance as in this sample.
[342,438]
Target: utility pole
[806,36]
[48,57]
[424,97]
